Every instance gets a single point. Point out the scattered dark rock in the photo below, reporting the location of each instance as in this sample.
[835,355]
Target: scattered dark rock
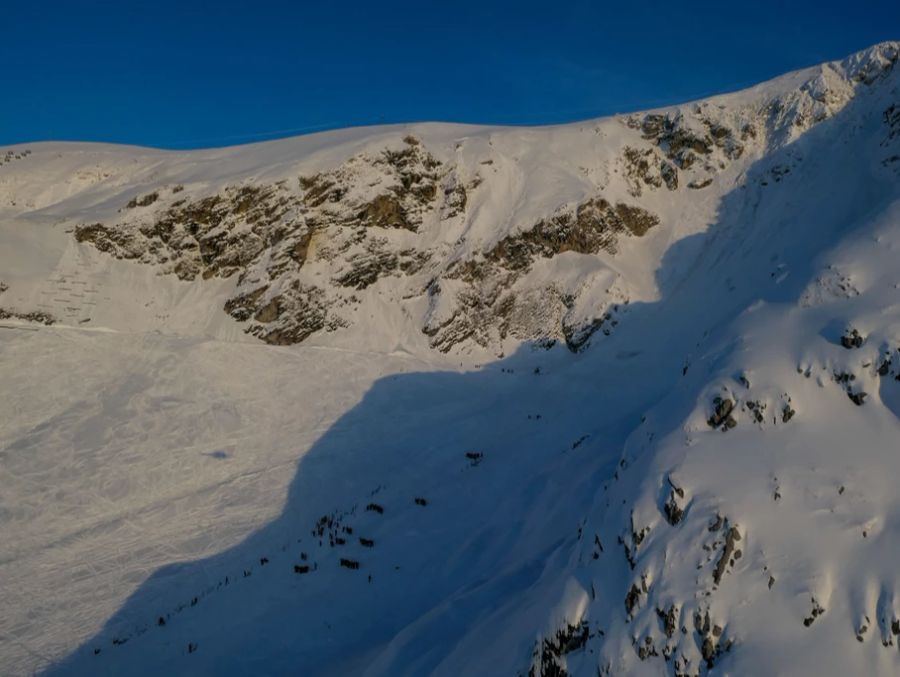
[863,629]
[787,413]
[144,201]
[756,410]
[697,184]
[647,649]
[817,611]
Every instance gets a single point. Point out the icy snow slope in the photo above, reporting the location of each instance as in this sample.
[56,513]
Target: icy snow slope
[250,428]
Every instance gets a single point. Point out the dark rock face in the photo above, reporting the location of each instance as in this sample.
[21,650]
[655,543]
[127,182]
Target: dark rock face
[858,398]
[301,311]
[38,316]
[593,226]
[385,211]
[757,410]
[110,240]
[550,650]
[366,269]
[632,599]
[729,554]
[721,417]
[891,118]
[215,236]
[817,610]
[683,145]
[672,508]
[670,620]
[698,184]
[144,201]
[852,339]
[846,380]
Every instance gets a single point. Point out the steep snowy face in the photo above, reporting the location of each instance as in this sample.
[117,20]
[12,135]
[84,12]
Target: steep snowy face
[750,524]
[701,481]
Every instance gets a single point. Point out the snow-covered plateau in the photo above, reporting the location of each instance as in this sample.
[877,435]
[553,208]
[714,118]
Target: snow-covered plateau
[613,397]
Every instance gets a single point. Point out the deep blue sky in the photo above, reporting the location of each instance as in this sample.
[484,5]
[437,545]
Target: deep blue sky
[192,74]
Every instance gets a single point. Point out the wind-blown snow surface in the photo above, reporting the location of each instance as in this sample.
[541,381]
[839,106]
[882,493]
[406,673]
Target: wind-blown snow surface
[704,482]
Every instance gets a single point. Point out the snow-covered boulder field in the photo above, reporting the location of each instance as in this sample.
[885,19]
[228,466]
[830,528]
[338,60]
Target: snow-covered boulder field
[614,397]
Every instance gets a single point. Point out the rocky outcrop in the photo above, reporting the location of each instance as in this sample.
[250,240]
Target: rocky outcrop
[592,226]
[548,657]
[265,234]
[852,339]
[487,305]
[721,417]
[213,236]
[644,168]
[302,252]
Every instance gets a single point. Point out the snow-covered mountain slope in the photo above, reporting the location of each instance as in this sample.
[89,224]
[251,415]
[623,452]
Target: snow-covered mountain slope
[620,396]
